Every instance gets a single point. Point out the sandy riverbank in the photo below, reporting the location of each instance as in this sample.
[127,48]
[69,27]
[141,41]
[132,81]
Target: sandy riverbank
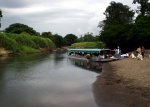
[124,83]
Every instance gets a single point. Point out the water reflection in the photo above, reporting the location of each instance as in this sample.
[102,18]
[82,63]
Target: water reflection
[12,68]
[91,66]
[45,80]
[59,56]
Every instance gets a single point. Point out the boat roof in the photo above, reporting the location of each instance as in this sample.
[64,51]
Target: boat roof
[87,50]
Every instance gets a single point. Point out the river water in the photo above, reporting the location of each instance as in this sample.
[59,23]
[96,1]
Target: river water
[47,80]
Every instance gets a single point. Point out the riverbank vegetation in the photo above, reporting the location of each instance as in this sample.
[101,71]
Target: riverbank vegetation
[119,28]
[24,43]
[88,45]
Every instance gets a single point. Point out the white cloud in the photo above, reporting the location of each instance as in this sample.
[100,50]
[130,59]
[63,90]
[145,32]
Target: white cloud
[58,16]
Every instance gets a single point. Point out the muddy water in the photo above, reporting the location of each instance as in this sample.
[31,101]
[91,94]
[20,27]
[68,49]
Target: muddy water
[46,80]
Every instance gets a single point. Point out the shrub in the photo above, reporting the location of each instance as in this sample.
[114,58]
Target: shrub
[24,43]
[88,45]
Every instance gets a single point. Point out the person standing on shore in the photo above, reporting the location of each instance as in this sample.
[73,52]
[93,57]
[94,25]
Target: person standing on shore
[118,53]
[115,52]
[143,51]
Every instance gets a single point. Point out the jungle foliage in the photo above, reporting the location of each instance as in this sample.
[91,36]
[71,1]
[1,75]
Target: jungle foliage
[18,28]
[121,29]
[23,43]
[70,39]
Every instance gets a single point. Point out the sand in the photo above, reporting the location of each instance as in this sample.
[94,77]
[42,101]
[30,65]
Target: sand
[123,83]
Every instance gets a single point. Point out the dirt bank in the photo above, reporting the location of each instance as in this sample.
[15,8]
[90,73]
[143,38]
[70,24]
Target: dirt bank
[4,52]
[123,83]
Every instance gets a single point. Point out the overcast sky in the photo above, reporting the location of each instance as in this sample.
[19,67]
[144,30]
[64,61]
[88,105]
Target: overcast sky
[57,16]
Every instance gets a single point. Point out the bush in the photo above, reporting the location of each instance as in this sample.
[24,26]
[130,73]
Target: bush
[88,45]
[8,43]
[24,43]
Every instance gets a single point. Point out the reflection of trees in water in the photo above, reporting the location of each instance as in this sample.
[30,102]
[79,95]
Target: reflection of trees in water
[18,64]
[92,66]
[2,74]
[58,57]
[2,83]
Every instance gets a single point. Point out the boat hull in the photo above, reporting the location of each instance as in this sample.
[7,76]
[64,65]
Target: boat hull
[93,59]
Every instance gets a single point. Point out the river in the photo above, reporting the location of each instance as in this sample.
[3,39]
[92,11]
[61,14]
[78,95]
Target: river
[47,80]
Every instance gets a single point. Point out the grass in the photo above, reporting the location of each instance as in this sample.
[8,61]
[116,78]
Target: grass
[88,45]
[24,43]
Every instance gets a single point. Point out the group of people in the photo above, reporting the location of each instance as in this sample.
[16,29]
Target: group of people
[140,53]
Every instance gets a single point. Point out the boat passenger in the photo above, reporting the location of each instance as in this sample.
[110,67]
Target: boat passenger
[88,56]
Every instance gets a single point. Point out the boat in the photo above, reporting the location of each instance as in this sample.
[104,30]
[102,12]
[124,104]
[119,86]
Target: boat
[96,55]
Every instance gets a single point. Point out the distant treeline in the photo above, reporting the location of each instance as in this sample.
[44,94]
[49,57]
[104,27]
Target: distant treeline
[59,41]
[119,28]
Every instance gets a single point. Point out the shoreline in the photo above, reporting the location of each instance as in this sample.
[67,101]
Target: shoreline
[6,53]
[119,84]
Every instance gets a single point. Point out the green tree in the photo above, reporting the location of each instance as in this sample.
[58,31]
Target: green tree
[80,39]
[70,39]
[117,13]
[114,28]
[97,38]
[143,8]
[140,32]
[18,28]
[58,40]
[114,35]
[88,37]
[0,16]
[47,35]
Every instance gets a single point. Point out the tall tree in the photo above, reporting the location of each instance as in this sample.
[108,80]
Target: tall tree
[47,35]
[117,13]
[88,37]
[58,40]
[20,28]
[0,16]
[113,28]
[140,32]
[143,8]
[70,39]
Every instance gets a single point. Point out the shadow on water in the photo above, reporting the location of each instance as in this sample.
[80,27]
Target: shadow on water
[90,66]
[47,80]
[59,56]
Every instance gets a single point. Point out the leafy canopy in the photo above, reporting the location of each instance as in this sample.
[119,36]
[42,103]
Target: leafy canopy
[144,7]
[117,13]
[0,16]
[18,28]
[114,27]
[70,39]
